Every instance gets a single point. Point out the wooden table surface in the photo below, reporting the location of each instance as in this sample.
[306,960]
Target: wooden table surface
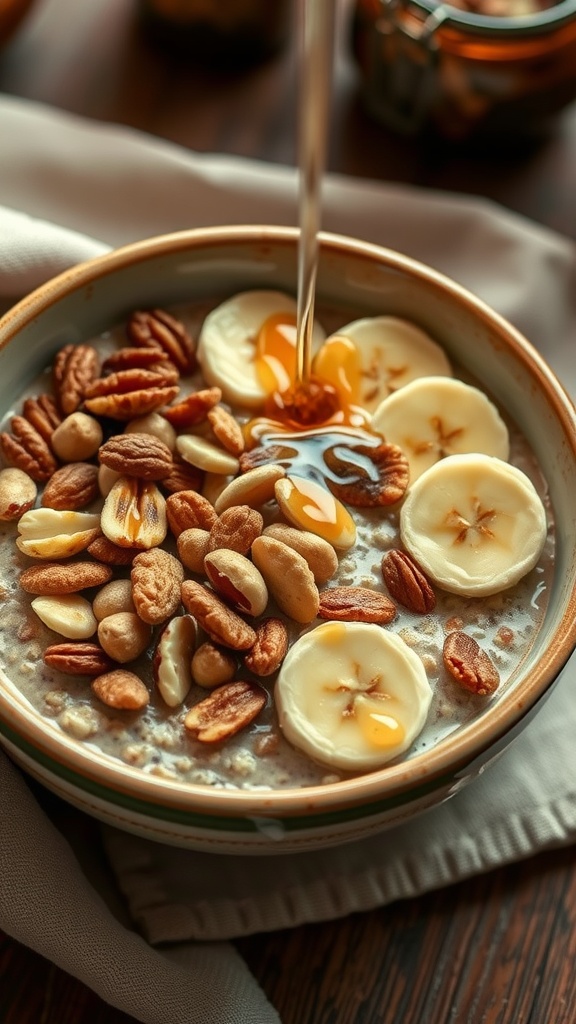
[498,949]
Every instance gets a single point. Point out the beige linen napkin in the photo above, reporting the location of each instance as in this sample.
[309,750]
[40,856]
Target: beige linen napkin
[76,188]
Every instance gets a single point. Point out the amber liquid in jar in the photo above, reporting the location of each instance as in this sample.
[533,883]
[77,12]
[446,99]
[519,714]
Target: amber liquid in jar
[460,73]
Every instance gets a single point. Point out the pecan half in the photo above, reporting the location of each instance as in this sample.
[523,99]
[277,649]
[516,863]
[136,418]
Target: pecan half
[42,412]
[222,625]
[79,659]
[27,450]
[193,409]
[72,487]
[124,381]
[129,405]
[406,583]
[226,429]
[356,604]
[384,484]
[139,455]
[270,648]
[469,665]
[127,358]
[158,329]
[74,369]
[225,711]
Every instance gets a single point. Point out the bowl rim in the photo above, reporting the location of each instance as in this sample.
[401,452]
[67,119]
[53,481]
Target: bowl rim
[452,754]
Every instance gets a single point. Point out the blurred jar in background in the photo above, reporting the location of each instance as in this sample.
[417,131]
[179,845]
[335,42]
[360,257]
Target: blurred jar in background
[466,68]
[218,33]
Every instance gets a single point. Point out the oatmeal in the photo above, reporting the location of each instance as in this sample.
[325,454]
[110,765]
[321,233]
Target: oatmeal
[209,581]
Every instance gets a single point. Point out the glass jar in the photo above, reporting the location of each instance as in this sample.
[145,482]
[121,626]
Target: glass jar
[428,65]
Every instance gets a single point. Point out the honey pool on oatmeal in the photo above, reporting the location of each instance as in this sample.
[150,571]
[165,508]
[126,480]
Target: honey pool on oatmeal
[155,739]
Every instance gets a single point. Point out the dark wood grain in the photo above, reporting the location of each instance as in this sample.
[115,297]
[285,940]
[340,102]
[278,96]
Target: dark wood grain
[498,949]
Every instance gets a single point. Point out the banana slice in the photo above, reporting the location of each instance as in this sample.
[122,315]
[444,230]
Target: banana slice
[437,416]
[368,359]
[475,524]
[247,363]
[351,695]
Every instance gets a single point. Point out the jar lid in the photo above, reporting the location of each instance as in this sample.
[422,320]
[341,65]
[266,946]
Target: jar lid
[546,20]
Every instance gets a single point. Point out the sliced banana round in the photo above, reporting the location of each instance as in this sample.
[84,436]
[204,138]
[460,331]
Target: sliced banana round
[475,524]
[433,417]
[368,359]
[351,695]
[228,343]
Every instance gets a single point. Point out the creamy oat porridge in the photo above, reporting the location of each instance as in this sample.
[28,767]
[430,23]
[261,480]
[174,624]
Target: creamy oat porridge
[204,581]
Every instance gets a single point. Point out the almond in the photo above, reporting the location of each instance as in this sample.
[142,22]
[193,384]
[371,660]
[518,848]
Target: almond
[254,488]
[121,690]
[288,578]
[225,711]
[205,455]
[156,580]
[222,625]
[356,604]
[115,596]
[72,487]
[63,577]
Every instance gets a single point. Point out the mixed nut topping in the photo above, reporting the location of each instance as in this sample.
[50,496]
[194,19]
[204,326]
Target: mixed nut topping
[161,524]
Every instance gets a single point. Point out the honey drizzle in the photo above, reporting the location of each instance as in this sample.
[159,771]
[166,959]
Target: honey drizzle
[304,453]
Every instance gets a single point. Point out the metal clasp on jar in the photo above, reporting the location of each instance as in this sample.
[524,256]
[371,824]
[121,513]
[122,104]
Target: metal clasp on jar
[402,64]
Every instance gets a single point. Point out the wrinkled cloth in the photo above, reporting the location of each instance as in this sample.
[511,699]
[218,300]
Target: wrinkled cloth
[70,189]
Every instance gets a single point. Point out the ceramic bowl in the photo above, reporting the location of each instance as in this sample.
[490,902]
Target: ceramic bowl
[86,300]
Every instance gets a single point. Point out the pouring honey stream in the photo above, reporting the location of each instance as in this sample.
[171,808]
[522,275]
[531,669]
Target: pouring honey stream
[312,422]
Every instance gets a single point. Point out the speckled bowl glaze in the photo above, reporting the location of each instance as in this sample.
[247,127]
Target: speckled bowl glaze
[185,266]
